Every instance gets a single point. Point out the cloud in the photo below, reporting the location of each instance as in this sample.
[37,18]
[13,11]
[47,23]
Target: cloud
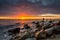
[46,2]
[29,9]
[38,7]
[42,2]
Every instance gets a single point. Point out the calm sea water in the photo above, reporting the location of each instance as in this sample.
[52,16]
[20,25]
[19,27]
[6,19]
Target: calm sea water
[6,22]
[9,22]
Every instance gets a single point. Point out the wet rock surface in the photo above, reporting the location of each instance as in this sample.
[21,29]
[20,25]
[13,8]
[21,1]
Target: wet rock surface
[33,33]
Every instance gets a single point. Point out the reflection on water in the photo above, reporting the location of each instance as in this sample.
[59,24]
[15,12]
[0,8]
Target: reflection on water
[9,21]
[6,22]
[29,33]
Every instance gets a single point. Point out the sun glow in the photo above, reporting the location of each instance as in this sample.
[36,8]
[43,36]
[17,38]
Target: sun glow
[31,17]
[26,16]
[22,18]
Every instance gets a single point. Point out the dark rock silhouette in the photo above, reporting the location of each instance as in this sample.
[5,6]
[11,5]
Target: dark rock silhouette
[38,26]
[26,26]
[14,31]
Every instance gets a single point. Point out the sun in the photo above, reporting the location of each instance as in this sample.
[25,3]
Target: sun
[23,18]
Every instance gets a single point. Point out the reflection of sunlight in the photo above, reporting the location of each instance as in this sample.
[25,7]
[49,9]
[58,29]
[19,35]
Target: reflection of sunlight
[5,17]
[25,16]
[22,18]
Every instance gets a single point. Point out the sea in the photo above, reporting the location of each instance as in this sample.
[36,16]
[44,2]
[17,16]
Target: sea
[4,22]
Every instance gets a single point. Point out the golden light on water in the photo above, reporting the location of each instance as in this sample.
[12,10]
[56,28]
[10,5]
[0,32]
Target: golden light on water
[24,17]
[46,16]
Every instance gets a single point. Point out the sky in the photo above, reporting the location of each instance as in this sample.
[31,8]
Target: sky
[29,7]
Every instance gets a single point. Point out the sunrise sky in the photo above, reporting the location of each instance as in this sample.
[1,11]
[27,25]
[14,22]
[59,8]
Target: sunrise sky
[29,9]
